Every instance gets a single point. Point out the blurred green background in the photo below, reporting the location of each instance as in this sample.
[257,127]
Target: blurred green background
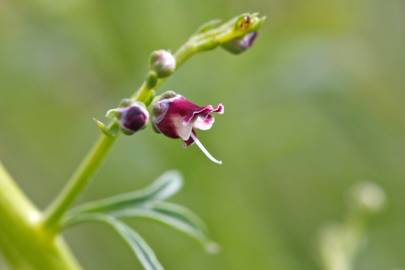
[315,106]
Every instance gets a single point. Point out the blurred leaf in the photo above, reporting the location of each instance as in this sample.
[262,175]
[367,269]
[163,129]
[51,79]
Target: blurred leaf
[148,203]
[164,187]
[176,216]
[140,248]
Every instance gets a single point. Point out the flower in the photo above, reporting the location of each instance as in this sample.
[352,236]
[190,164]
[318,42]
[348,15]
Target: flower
[163,63]
[239,45]
[177,117]
[133,117]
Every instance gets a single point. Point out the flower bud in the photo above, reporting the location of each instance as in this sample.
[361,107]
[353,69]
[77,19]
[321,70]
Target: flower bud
[162,63]
[132,118]
[239,45]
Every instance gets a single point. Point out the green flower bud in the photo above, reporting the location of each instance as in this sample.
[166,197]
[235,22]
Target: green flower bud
[163,63]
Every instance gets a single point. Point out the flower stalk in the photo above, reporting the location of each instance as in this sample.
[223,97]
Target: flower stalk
[78,181]
[207,38]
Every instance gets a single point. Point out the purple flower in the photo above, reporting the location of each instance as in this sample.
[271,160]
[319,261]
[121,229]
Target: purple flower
[132,118]
[239,45]
[177,117]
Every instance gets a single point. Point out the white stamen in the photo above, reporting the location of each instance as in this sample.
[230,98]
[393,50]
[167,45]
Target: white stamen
[204,150]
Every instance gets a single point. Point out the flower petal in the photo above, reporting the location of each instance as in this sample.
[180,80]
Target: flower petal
[204,123]
[204,112]
[190,140]
[183,130]
[219,109]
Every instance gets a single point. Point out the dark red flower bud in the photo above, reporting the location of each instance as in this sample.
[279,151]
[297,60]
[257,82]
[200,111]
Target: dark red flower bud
[131,118]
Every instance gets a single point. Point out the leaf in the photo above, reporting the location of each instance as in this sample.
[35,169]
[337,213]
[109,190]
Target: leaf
[148,203]
[175,216]
[164,187]
[141,249]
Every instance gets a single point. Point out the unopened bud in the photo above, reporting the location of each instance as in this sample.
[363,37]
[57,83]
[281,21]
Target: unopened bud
[239,45]
[162,63]
[131,118]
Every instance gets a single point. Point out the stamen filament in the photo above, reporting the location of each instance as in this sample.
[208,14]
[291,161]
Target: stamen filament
[204,150]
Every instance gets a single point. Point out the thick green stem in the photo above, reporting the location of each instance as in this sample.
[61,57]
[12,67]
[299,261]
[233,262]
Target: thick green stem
[24,243]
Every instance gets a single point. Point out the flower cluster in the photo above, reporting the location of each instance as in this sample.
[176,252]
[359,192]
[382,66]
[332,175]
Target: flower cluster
[173,115]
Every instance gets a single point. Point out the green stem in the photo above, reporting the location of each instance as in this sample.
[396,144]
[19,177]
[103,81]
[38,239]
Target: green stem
[23,241]
[79,179]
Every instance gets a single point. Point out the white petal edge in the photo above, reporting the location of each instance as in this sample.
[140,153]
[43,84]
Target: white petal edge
[202,125]
[204,150]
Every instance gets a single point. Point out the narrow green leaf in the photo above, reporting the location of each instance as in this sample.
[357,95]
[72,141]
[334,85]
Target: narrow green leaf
[141,249]
[176,216]
[164,187]
[148,203]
